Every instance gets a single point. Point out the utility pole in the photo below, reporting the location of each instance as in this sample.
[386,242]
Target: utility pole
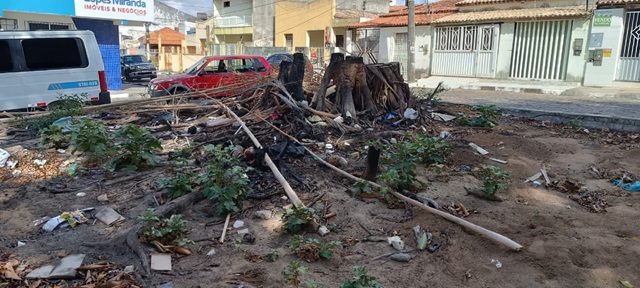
[147,37]
[411,42]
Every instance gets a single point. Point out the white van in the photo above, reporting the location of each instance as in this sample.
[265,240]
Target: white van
[36,67]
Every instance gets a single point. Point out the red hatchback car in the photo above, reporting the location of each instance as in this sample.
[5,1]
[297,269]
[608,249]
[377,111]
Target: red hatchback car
[211,72]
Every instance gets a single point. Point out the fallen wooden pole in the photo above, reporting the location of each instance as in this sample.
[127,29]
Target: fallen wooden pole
[224,229]
[480,230]
[287,188]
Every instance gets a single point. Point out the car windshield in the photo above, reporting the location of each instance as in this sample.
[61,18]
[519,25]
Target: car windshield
[195,67]
[134,59]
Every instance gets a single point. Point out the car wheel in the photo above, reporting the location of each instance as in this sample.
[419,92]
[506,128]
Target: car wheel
[128,77]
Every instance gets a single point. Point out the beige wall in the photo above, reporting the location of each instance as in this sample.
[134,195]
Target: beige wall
[524,5]
[298,17]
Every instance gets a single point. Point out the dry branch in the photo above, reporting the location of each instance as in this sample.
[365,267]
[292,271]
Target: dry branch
[480,230]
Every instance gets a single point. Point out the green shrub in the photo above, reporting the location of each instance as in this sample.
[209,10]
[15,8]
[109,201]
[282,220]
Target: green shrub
[169,231]
[297,219]
[224,181]
[361,279]
[312,249]
[493,179]
[135,149]
[91,136]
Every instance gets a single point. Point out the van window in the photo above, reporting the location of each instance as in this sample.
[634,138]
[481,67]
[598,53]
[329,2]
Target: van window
[6,63]
[54,53]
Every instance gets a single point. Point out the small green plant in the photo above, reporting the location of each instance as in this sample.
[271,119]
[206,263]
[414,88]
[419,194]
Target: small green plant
[575,123]
[272,256]
[362,187]
[169,231]
[361,279]
[224,181]
[293,272]
[308,283]
[297,219]
[135,149]
[54,137]
[429,150]
[488,117]
[180,184]
[91,136]
[493,179]
[312,249]
[64,106]
[185,152]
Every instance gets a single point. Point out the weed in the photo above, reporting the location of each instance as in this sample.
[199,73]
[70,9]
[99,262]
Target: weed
[65,106]
[575,123]
[400,159]
[362,187]
[180,184]
[361,279]
[166,231]
[292,273]
[493,179]
[272,256]
[312,249]
[185,152]
[308,283]
[54,137]
[488,117]
[91,136]
[135,149]
[297,219]
[224,181]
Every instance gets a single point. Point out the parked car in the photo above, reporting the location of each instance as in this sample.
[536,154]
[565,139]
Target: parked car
[36,67]
[275,60]
[136,67]
[211,72]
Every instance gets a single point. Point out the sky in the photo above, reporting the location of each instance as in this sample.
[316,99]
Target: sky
[191,6]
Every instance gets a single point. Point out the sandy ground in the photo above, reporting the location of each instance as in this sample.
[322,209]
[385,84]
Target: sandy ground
[566,245]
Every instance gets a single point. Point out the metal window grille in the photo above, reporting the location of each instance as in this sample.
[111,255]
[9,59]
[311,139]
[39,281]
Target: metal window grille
[8,24]
[35,26]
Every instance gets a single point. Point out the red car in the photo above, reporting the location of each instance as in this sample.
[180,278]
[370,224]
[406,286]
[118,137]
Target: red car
[211,72]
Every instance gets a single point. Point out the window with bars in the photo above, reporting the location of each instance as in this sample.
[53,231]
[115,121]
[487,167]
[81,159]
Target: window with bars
[36,26]
[8,24]
[458,38]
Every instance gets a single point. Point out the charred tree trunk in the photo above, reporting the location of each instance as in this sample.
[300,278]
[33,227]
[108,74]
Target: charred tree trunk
[373,156]
[296,77]
[329,74]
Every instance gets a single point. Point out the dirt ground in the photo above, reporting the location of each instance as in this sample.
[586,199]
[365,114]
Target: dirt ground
[565,244]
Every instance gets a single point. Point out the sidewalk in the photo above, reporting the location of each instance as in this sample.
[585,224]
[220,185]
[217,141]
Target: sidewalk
[613,108]
[628,91]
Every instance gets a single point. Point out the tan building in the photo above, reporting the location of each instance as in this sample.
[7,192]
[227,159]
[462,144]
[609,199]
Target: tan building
[319,27]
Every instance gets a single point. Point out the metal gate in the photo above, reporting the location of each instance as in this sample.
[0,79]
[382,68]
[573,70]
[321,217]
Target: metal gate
[541,50]
[466,50]
[400,51]
[629,64]
[366,44]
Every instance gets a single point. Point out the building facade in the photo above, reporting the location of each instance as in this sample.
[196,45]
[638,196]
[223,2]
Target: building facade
[614,44]
[102,19]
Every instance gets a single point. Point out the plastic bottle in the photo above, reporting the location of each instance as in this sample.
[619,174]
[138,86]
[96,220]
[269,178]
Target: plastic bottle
[72,169]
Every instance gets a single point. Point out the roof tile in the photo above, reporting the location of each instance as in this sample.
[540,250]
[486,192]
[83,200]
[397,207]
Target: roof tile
[516,14]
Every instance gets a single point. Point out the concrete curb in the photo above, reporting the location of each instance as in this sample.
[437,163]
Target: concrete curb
[630,125]
[120,95]
[515,89]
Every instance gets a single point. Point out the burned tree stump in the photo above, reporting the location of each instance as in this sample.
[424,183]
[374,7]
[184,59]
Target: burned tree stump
[291,74]
[363,88]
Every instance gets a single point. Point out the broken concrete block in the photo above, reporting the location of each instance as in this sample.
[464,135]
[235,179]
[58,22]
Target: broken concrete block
[263,214]
[396,242]
[108,216]
[161,262]
[103,198]
[323,230]
[40,273]
[401,257]
[63,269]
[238,224]
[129,269]
[66,269]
